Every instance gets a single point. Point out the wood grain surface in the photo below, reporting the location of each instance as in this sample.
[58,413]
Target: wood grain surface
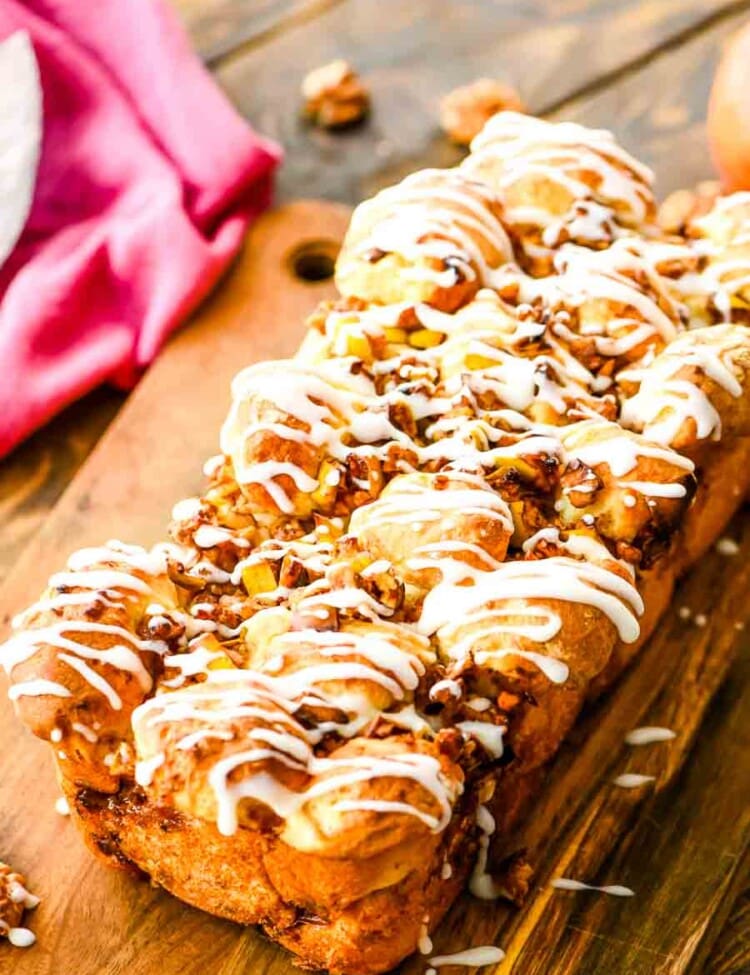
[36,474]
[659,111]
[549,50]
[641,68]
[219,27]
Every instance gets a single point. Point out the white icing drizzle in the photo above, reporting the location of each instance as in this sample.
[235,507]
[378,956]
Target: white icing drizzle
[725,273]
[122,656]
[435,215]
[406,499]
[649,735]
[213,465]
[447,684]
[207,536]
[331,405]
[323,411]
[595,443]
[280,738]
[340,424]
[727,546]
[145,769]
[474,396]
[489,736]
[631,780]
[85,731]
[425,941]
[605,184]
[479,704]
[21,937]
[186,509]
[482,955]
[481,883]
[448,605]
[616,890]
[17,936]
[666,399]
[380,659]
[106,573]
[18,894]
[37,687]
[615,277]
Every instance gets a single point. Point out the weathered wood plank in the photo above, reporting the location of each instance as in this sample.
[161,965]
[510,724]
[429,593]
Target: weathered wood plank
[659,113]
[37,472]
[219,26]
[731,952]
[421,50]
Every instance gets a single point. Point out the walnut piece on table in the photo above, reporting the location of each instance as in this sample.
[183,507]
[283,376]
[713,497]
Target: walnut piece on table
[682,206]
[14,900]
[464,111]
[335,96]
[514,878]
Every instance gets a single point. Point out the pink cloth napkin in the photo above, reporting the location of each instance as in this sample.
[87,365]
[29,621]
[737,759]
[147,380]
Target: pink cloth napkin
[147,181]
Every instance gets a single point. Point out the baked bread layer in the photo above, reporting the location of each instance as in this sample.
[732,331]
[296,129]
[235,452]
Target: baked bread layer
[429,538]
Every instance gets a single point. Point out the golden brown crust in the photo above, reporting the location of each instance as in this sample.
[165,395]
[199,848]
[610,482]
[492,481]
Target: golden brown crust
[436,237]
[87,657]
[432,536]
[560,183]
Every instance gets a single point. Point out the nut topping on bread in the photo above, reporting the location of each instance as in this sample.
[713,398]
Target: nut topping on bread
[431,535]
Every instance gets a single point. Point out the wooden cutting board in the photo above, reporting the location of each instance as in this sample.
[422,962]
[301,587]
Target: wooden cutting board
[681,844]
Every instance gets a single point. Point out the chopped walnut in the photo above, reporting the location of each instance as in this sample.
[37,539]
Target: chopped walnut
[11,910]
[14,900]
[682,206]
[335,96]
[514,877]
[382,583]
[464,111]
[580,484]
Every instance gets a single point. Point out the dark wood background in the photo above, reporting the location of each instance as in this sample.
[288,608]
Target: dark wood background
[640,67]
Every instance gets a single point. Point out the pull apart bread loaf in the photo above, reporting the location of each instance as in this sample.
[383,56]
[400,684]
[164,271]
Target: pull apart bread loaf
[453,517]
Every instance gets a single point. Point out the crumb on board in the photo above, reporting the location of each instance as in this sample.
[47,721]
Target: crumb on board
[649,735]
[464,111]
[61,806]
[727,546]
[335,96]
[683,206]
[14,900]
[514,877]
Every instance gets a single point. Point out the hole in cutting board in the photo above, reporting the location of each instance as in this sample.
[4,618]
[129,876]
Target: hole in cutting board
[314,260]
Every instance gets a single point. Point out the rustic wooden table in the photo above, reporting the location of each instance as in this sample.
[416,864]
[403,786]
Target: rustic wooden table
[640,67]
